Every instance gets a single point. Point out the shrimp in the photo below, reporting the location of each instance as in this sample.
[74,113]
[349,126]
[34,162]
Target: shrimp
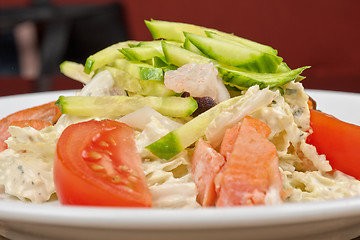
[199,80]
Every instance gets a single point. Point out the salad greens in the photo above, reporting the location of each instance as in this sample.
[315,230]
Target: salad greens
[139,69]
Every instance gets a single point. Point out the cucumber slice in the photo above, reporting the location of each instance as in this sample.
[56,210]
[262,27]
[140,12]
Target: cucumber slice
[161,63]
[134,85]
[141,53]
[232,76]
[174,31]
[191,47]
[75,71]
[105,56]
[155,88]
[133,45]
[157,44]
[180,56]
[244,80]
[235,54]
[127,55]
[243,41]
[89,106]
[140,70]
[148,73]
[179,139]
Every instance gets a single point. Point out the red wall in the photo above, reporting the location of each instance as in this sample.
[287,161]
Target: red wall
[324,34]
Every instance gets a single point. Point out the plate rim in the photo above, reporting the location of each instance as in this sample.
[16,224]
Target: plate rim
[204,218]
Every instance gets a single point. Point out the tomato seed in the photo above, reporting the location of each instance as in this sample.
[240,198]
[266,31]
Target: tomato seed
[116,179]
[91,156]
[112,141]
[123,168]
[95,155]
[132,179]
[108,152]
[97,167]
[104,144]
[134,174]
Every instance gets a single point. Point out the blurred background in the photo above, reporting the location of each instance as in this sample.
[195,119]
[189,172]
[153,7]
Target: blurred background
[37,35]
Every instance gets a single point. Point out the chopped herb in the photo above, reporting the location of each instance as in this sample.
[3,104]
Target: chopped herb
[298,112]
[21,169]
[290,91]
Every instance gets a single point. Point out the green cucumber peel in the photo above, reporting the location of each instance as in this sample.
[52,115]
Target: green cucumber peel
[128,55]
[105,56]
[176,141]
[191,47]
[179,56]
[142,53]
[156,74]
[235,54]
[239,40]
[159,62]
[89,65]
[244,80]
[140,70]
[174,31]
[167,146]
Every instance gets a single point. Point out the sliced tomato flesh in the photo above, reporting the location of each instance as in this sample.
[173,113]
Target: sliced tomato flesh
[97,164]
[338,140]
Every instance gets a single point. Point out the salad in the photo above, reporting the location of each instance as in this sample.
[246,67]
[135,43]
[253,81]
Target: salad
[195,118]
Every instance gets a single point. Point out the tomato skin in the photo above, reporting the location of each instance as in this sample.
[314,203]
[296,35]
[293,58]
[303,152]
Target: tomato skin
[338,140]
[117,178]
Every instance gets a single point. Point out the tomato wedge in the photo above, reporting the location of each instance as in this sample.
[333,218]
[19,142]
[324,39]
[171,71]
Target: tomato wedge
[97,164]
[338,140]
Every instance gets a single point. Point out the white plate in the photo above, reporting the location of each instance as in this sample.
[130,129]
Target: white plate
[337,219]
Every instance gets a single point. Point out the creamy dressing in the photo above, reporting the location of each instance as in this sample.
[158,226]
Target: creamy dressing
[171,182]
[26,166]
[317,186]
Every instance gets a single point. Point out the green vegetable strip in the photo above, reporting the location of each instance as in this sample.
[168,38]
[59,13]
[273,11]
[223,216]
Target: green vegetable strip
[179,139]
[89,106]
